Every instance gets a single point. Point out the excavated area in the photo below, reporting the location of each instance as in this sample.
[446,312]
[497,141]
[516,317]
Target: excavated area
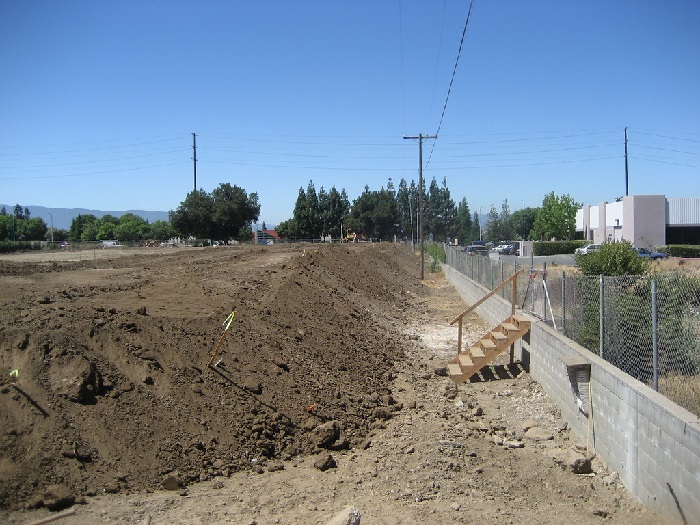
[329,390]
[114,393]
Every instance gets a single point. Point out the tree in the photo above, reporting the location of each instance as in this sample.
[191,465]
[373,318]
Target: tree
[462,227]
[132,228]
[162,231]
[32,229]
[233,211]
[307,220]
[83,228]
[6,227]
[439,211]
[476,228]
[556,219]
[194,215]
[333,209]
[375,214]
[107,228]
[493,226]
[406,199]
[523,221]
[287,229]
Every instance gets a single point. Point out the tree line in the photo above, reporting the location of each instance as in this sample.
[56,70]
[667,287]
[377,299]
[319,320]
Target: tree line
[390,213]
[228,212]
[20,225]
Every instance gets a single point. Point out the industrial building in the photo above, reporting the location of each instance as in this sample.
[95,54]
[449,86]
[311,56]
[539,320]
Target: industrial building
[646,221]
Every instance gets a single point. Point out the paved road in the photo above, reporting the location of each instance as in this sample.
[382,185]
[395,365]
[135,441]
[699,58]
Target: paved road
[560,260]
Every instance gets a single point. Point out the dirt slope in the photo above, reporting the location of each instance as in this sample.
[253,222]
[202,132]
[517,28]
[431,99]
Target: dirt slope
[113,391]
[114,402]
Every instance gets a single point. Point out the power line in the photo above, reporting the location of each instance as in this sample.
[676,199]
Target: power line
[449,89]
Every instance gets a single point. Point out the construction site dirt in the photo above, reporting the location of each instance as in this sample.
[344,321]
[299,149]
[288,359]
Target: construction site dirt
[130,394]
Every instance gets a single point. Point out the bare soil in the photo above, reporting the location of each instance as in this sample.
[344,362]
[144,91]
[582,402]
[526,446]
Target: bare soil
[330,392]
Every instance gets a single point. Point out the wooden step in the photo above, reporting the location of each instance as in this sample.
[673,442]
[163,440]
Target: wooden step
[498,336]
[510,327]
[487,344]
[477,353]
[455,373]
[465,360]
[520,319]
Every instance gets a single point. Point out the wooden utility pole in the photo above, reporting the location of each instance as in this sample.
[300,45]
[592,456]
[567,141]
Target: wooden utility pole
[420,138]
[194,158]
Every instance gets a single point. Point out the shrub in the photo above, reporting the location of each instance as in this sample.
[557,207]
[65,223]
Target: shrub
[681,250]
[613,258]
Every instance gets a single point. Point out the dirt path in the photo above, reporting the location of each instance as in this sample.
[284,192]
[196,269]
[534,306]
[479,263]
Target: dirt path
[361,339]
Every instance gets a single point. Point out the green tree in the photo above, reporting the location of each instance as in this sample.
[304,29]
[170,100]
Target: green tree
[107,228]
[333,210]
[556,219]
[307,220]
[83,228]
[234,212]
[193,217]
[33,229]
[375,214]
[476,228]
[162,230]
[493,226]
[132,228]
[462,227]
[523,221]
[407,205]
[7,223]
[439,211]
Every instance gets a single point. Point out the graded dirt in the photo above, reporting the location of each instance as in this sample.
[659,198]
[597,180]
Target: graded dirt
[328,391]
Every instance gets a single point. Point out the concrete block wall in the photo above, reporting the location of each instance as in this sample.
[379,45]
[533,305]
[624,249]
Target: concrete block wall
[652,443]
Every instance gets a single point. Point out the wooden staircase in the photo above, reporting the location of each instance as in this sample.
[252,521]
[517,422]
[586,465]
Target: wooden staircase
[491,345]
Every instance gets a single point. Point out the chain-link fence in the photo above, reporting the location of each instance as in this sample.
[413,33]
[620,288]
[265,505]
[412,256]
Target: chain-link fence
[646,325]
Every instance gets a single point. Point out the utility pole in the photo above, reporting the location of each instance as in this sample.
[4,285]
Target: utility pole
[627,182]
[420,138]
[194,158]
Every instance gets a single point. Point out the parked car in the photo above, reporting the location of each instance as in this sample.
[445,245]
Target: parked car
[476,250]
[506,249]
[643,252]
[589,248]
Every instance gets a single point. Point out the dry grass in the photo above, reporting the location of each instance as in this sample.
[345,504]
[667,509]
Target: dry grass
[683,390]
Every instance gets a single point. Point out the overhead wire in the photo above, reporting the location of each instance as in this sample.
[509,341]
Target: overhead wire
[452,79]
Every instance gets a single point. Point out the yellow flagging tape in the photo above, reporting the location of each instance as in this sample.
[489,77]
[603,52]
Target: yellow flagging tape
[15,373]
[229,320]
[227,325]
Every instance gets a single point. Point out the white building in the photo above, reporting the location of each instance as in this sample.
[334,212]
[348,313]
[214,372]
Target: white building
[644,220]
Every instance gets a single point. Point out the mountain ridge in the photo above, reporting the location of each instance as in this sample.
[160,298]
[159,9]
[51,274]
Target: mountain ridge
[61,218]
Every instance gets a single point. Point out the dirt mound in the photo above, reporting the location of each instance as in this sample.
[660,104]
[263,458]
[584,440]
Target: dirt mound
[113,393]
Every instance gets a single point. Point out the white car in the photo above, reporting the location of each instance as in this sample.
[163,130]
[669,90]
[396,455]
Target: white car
[589,248]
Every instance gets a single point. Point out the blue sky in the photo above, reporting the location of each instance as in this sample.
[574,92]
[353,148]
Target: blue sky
[99,99]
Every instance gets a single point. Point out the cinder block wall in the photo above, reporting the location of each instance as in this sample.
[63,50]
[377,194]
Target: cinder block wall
[651,442]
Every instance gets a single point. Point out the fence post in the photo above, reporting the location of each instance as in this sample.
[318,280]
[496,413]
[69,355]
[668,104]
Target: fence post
[503,291]
[601,321]
[655,335]
[544,296]
[563,301]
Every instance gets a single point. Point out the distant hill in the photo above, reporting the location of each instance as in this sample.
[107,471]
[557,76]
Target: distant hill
[63,217]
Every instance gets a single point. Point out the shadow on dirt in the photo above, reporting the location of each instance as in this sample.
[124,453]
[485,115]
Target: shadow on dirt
[220,369]
[497,373]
